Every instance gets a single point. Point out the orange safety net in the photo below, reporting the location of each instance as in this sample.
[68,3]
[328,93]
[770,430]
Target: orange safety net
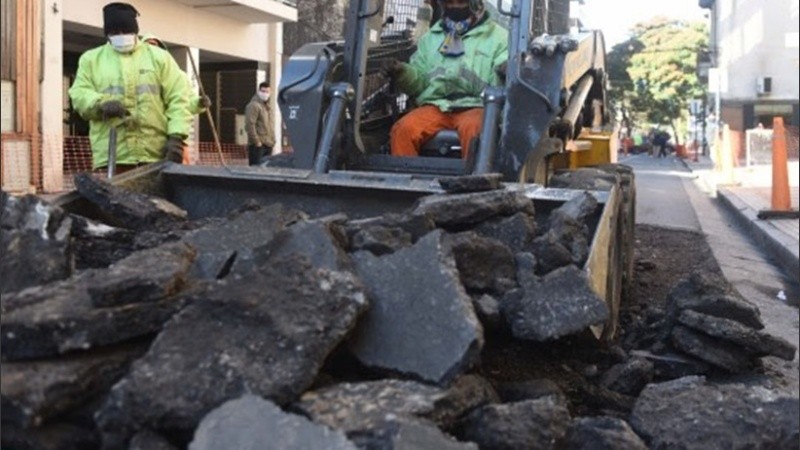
[43,164]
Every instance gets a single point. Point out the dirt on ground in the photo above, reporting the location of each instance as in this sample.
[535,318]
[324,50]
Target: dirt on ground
[663,257]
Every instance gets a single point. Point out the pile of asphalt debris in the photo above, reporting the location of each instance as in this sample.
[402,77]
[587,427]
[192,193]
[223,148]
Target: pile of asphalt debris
[142,329]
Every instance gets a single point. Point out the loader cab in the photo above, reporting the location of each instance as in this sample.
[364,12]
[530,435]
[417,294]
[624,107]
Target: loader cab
[339,109]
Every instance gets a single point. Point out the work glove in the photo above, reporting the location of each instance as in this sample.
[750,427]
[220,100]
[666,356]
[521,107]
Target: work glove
[501,71]
[112,108]
[173,150]
[204,102]
[392,68]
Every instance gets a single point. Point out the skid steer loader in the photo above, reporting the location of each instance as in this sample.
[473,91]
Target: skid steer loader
[550,115]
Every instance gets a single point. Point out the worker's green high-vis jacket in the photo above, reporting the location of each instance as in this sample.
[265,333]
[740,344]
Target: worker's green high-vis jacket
[152,88]
[455,82]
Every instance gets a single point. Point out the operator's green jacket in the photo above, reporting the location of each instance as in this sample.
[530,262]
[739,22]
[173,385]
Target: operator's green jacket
[455,82]
[152,88]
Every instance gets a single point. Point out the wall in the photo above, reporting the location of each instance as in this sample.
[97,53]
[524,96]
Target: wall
[759,38]
[177,23]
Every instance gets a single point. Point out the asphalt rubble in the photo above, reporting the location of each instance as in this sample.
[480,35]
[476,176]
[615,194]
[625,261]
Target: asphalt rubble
[142,329]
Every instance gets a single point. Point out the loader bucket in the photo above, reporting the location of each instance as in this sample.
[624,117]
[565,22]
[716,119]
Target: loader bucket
[217,191]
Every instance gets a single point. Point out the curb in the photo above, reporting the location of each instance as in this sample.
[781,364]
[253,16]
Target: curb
[784,251]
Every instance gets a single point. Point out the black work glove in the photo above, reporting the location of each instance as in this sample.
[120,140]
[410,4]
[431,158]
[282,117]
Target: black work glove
[204,102]
[392,68]
[112,108]
[501,71]
[173,150]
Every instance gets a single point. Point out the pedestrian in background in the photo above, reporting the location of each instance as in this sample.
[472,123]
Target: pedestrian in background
[259,126]
[127,79]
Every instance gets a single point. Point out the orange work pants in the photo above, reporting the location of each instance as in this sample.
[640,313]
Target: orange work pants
[421,124]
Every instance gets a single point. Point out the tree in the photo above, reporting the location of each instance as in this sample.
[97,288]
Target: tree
[660,61]
[318,20]
[621,85]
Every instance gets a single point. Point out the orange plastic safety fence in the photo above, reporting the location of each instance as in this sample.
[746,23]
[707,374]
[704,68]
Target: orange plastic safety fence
[44,164]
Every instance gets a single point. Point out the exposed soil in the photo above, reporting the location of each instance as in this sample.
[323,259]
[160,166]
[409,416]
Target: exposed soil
[663,257]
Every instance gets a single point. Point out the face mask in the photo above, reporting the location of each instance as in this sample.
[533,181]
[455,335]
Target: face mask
[458,14]
[263,96]
[123,43]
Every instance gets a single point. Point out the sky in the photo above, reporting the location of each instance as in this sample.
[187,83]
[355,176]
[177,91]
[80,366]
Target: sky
[616,17]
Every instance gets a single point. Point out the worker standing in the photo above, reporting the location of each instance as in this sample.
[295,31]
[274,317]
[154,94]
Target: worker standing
[197,104]
[259,125]
[129,85]
[460,55]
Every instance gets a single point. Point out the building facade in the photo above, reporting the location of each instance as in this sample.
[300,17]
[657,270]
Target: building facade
[754,47]
[234,44]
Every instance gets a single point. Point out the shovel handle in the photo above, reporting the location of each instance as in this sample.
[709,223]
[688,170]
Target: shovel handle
[112,152]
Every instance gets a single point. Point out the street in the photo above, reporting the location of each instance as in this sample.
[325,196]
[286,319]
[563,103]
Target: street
[670,195]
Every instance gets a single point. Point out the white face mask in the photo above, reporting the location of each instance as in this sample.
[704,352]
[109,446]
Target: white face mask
[263,96]
[123,43]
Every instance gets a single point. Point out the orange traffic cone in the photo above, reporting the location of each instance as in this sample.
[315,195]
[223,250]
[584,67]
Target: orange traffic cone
[781,199]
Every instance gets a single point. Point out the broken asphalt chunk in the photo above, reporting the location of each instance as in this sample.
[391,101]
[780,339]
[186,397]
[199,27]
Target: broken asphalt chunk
[128,209]
[691,414]
[421,323]
[716,352]
[471,183]
[97,245]
[358,407]
[461,210]
[602,433]
[60,317]
[516,232]
[266,333]
[36,391]
[484,264]
[560,304]
[406,434]
[35,243]
[321,242]
[251,422]
[630,377]
[143,277]
[220,242]
[539,424]
[753,341]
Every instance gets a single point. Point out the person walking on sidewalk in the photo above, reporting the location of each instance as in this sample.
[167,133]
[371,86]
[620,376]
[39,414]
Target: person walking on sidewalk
[660,141]
[135,87]
[259,126]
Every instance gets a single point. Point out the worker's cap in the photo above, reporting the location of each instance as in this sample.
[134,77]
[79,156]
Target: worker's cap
[120,18]
[476,6]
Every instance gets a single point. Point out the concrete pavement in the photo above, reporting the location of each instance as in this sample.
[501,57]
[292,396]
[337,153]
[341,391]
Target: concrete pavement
[749,193]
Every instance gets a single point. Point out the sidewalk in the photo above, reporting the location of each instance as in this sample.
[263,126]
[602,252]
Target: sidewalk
[751,193]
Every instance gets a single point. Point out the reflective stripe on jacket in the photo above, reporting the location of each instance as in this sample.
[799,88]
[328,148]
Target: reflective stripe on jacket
[455,82]
[152,88]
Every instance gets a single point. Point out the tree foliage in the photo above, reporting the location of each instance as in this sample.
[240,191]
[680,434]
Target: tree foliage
[654,73]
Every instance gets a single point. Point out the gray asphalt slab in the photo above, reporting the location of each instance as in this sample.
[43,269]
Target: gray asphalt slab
[671,195]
